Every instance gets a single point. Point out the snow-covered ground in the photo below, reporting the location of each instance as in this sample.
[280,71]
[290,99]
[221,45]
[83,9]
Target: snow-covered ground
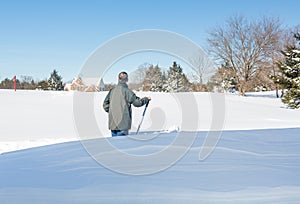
[37,118]
[257,159]
[253,166]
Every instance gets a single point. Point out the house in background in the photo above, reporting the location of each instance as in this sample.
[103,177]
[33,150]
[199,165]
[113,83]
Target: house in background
[78,85]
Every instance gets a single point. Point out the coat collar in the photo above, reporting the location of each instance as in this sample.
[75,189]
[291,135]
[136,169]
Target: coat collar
[122,84]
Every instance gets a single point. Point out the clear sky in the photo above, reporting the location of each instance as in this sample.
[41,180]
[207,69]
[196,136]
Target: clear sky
[38,36]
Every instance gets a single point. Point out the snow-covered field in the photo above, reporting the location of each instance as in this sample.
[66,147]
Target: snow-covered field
[257,159]
[37,118]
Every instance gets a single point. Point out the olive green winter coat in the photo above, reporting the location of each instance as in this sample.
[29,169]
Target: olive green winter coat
[118,105]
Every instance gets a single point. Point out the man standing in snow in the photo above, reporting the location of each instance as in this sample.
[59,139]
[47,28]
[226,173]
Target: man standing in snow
[118,105]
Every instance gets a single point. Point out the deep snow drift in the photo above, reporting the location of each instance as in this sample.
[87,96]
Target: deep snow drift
[254,166]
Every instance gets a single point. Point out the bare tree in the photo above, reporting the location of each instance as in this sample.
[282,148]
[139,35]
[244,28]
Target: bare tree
[138,76]
[244,45]
[203,69]
[27,82]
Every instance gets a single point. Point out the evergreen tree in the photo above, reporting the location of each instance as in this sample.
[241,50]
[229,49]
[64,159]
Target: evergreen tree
[9,84]
[176,80]
[55,82]
[153,80]
[224,79]
[42,85]
[101,85]
[290,78]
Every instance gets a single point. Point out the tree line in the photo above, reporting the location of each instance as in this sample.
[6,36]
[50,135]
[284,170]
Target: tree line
[153,78]
[54,82]
[250,55]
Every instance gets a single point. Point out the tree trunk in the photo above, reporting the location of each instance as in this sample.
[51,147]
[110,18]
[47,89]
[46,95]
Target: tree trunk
[277,94]
[241,90]
[282,93]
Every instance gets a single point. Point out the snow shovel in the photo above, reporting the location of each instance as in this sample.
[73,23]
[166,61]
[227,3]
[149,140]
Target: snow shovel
[142,118]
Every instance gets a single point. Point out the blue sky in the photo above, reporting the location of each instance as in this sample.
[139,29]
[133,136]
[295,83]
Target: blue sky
[39,36]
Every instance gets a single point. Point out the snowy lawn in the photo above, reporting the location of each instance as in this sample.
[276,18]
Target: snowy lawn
[257,159]
[37,118]
[254,166]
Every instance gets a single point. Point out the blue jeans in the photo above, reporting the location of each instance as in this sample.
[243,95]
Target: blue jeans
[115,133]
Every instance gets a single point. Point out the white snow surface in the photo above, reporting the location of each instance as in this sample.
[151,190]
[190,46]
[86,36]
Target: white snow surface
[37,118]
[257,159]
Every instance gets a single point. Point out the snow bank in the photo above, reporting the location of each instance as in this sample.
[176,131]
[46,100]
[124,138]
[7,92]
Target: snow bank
[248,166]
